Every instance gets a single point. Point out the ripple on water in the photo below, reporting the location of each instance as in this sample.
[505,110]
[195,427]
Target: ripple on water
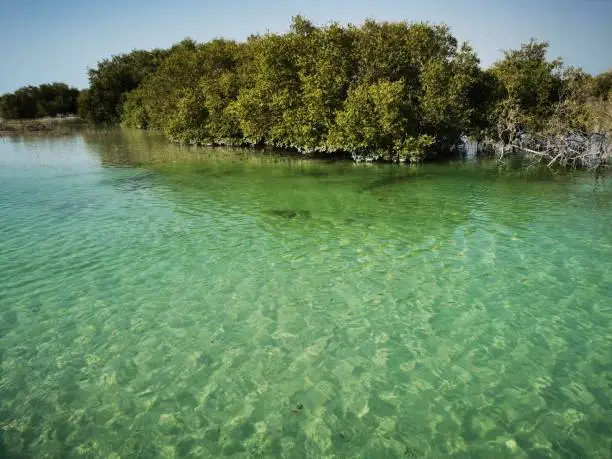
[198,306]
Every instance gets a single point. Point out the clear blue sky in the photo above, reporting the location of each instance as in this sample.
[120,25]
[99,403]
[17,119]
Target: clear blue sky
[57,40]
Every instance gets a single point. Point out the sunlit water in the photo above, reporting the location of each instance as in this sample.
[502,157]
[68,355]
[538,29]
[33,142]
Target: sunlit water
[165,301]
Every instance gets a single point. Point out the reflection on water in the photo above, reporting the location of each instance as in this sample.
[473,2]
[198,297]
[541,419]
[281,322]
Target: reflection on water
[134,147]
[159,300]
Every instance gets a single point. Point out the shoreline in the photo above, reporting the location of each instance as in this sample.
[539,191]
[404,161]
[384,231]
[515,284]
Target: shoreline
[58,126]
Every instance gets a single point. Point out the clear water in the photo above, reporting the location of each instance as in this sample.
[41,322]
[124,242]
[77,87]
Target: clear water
[159,301]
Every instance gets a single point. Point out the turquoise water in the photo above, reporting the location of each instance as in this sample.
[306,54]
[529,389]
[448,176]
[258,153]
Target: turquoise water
[165,301]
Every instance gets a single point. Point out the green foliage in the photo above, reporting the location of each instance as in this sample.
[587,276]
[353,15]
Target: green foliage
[372,120]
[554,105]
[588,100]
[112,80]
[601,85]
[156,100]
[271,90]
[134,111]
[325,64]
[399,91]
[484,95]
[575,94]
[530,82]
[447,109]
[39,101]
[186,122]
[187,98]
[382,89]
[413,149]
[400,50]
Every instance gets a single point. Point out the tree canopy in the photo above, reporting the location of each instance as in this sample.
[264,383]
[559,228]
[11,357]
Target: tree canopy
[39,101]
[394,90]
[112,80]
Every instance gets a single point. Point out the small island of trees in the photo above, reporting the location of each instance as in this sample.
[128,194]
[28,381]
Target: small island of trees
[396,91]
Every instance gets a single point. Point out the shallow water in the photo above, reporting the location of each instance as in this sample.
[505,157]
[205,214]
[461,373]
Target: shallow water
[166,301]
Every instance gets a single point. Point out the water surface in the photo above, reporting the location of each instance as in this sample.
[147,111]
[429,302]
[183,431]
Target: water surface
[166,301]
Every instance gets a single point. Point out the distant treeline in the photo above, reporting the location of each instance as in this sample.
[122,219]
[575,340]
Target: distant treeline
[39,101]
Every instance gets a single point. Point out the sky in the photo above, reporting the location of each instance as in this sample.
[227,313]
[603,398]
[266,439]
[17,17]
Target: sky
[58,40]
